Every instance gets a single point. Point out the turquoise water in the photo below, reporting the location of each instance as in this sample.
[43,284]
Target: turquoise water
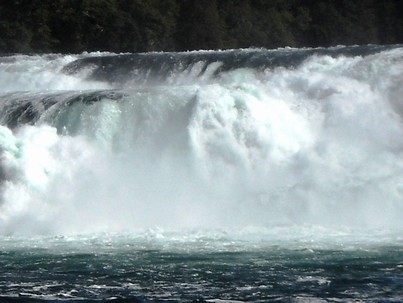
[162,267]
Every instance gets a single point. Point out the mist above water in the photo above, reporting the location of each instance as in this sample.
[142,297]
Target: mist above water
[318,143]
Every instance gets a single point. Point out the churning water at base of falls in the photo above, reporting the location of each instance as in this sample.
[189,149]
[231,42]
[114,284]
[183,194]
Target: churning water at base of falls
[211,176]
[202,266]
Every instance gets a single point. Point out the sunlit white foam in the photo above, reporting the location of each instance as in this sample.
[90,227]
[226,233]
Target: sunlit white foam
[318,145]
[42,73]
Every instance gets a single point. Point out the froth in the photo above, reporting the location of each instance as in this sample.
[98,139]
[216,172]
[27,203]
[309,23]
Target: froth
[317,145]
[43,73]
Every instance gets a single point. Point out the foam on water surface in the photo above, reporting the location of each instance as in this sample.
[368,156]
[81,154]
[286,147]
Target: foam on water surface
[213,145]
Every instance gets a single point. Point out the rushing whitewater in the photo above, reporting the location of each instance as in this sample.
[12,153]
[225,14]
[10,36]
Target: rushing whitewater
[212,176]
[233,139]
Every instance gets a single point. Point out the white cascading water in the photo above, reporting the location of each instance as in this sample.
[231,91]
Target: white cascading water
[315,145]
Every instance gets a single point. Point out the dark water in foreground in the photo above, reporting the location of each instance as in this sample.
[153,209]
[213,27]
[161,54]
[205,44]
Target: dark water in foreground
[143,270]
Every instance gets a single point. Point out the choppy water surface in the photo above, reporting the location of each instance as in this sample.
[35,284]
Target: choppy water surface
[166,267]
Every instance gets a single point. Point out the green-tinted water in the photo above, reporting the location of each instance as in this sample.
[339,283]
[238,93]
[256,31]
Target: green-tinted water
[203,269]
